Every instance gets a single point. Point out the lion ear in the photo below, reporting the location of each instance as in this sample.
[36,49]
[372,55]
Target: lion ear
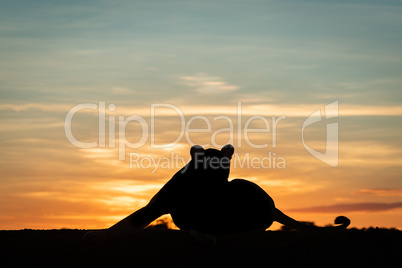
[227,150]
[196,149]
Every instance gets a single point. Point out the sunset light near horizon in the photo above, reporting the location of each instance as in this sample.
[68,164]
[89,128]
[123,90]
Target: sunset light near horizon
[101,102]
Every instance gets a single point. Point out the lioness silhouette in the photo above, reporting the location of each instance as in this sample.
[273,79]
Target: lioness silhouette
[200,198]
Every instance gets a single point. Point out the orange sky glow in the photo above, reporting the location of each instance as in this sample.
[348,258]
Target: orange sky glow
[50,183]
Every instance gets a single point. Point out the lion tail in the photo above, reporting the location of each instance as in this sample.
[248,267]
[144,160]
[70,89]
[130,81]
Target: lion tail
[342,221]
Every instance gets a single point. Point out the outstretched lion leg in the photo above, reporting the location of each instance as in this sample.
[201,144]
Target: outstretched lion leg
[130,224]
[158,206]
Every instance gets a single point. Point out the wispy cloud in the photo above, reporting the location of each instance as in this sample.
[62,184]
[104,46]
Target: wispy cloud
[380,192]
[357,207]
[207,84]
[248,108]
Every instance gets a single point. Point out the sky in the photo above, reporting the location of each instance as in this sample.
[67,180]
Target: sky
[308,93]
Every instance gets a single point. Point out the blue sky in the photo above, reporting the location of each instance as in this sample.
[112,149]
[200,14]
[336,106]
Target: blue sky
[273,48]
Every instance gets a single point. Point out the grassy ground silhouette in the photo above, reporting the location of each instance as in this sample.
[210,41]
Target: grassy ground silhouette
[156,247]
